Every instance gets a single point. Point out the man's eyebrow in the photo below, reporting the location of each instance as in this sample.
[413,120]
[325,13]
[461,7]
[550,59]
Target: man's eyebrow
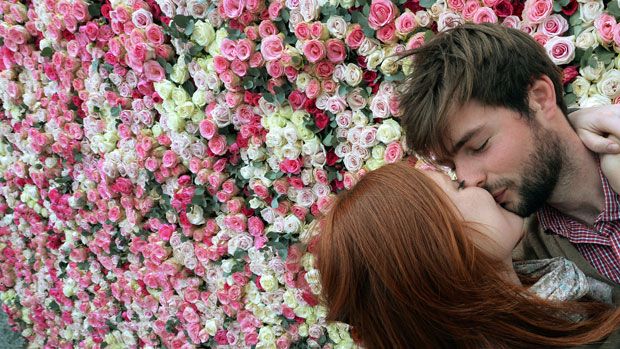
[465,138]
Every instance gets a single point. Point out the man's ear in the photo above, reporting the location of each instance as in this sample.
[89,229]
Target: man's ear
[542,97]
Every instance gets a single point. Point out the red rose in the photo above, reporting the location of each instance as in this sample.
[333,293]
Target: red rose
[571,8]
[321,120]
[331,158]
[569,74]
[503,8]
[369,76]
[297,99]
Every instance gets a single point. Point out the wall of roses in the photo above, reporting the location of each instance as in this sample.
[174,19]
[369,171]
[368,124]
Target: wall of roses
[162,161]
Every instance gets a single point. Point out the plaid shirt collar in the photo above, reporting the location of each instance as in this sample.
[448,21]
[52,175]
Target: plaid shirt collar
[577,232]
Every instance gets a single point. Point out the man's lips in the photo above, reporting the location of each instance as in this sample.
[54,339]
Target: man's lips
[499,196]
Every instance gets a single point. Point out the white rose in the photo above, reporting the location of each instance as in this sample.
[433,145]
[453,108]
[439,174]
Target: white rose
[423,18]
[594,101]
[374,59]
[337,26]
[379,106]
[591,73]
[590,10]
[352,162]
[610,84]
[389,131]
[448,20]
[587,39]
[356,100]
[196,215]
[580,86]
[353,75]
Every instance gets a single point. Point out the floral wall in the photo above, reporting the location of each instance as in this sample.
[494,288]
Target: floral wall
[162,161]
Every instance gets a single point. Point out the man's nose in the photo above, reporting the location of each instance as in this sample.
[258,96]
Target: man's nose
[473,175]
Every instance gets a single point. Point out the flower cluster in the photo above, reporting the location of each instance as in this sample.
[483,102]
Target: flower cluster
[163,162]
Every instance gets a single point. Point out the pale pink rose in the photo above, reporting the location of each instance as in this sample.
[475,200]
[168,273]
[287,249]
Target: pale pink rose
[485,15]
[512,22]
[536,11]
[313,89]
[406,23]
[189,314]
[470,9]
[169,159]
[355,36]
[616,34]
[141,18]
[254,6]
[154,35]
[274,10]
[232,8]
[561,49]
[415,41]
[554,25]
[244,49]
[448,20]
[153,71]
[381,13]
[238,67]
[79,10]
[387,33]
[456,5]
[302,31]
[267,28]
[314,50]
[393,153]
[228,49]
[604,25]
[329,86]
[217,144]
[275,69]
[272,47]
[256,60]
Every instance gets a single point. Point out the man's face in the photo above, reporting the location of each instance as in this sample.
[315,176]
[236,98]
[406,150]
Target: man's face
[516,160]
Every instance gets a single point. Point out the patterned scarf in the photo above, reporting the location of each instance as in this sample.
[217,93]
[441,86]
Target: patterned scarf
[559,279]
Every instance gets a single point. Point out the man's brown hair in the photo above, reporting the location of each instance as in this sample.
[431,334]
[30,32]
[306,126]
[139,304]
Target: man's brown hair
[489,63]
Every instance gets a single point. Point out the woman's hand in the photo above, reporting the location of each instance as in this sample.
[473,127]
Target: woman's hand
[594,124]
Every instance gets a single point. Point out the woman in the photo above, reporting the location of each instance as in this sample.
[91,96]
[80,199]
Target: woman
[410,259]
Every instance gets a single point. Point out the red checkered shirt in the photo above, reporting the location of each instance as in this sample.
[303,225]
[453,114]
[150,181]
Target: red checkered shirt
[599,244]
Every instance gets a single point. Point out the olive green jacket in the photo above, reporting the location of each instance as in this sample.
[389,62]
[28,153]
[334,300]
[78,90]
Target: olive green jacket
[539,245]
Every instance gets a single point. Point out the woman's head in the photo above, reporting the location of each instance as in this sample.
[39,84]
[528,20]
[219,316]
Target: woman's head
[400,264]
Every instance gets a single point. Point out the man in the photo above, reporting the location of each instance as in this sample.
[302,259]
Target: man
[488,101]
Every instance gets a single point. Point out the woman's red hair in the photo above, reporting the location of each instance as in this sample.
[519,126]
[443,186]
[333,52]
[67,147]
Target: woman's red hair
[397,264]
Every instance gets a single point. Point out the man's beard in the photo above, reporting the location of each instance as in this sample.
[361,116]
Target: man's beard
[540,173]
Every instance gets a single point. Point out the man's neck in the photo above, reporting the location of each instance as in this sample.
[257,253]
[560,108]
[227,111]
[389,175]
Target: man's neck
[579,192]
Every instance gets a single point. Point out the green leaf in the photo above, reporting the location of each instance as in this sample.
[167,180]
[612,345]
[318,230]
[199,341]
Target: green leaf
[613,8]
[268,97]
[181,21]
[564,2]
[398,77]
[190,28]
[47,52]
[575,20]
[285,15]
[94,10]
[557,7]
[585,57]
[427,3]
[328,140]
[570,98]
[274,203]
[604,56]
[248,83]
[115,111]
[196,49]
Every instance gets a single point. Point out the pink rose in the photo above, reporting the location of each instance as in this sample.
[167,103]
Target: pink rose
[561,49]
[406,22]
[456,5]
[228,49]
[272,47]
[541,38]
[336,51]
[217,144]
[616,34]
[267,28]
[220,64]
[169,159]
[141,18]
[485,15]
[355,36]
[314,50]
[387,34]
[238,67]
[381,13]
[316,30]
[302,31]
[604,25]
[154,35]
[232,8]
[471,6]
[313,89]
[393,153]
[244,49]
[324,69]
[154,71]
[275,69]
[415,41]
[274,10]
[554,25]
[536,11]
[80,11]
[290,166]
[512,22]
